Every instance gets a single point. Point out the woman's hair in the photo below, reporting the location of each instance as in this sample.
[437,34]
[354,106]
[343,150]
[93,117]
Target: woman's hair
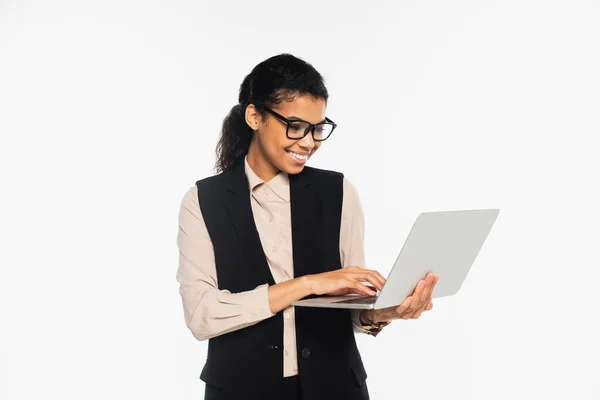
[280,78]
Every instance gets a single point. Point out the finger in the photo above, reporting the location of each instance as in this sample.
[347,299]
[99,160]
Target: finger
[376,275]
[411,310]
[349,290]
[359,291]
[416,303]
[363,289]
[427,290]
[408,305]
[419,311]
[403,308]
[433,277]
[418,288]
[406,315]
[414,311]
[380,278]
[428,305]
[375,280]
[431,288]
[366,276]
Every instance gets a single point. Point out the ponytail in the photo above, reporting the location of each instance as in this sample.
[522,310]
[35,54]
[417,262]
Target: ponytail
[234,141]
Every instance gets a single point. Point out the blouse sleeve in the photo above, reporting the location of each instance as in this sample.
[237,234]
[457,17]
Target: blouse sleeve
[208,311]
[352,237]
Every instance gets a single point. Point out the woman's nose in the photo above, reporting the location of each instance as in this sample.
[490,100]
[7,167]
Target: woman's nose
[307,141]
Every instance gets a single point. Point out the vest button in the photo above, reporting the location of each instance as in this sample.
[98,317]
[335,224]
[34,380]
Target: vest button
[305,353]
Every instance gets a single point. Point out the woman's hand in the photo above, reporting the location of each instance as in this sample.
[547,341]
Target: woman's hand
[336,283]
[346,281]
[411,307]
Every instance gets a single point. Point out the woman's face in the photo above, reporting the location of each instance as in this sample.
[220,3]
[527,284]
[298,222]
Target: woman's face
[271,150]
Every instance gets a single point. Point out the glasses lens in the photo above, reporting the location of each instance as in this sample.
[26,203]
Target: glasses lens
[297,129]
[322,131]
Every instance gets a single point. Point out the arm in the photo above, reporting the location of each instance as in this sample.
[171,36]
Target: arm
[283,294]
[211,312]
[208,311]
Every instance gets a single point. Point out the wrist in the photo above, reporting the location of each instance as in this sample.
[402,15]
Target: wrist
[306,281]
[365,317]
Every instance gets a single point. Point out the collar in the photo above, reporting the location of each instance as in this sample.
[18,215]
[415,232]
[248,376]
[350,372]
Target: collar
[279,184]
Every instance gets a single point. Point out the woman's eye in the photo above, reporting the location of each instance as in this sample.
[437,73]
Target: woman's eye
[295,127]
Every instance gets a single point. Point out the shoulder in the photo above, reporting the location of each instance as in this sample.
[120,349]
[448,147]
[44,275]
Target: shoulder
[189,205]
[351,202]
[211,187]
[212,181]
[350,191]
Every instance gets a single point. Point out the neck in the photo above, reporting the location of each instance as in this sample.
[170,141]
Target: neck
[259,164]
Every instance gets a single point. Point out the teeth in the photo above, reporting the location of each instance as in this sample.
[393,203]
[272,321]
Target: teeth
[298,156]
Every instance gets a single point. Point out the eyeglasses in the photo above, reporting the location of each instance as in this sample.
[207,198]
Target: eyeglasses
[297,128]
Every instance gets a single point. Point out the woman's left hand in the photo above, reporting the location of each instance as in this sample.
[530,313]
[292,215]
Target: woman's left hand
[412,307]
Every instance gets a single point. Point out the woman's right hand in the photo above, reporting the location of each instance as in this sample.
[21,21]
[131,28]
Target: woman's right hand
[346,281]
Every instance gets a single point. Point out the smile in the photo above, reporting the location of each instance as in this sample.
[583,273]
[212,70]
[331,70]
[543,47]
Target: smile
[298,156]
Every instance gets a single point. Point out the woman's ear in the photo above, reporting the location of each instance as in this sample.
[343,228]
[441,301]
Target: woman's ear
[252,117]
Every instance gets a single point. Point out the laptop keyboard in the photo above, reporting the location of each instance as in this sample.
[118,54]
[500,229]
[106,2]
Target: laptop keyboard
[360,300]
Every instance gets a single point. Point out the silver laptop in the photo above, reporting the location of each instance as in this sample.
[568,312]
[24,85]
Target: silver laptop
[443,242]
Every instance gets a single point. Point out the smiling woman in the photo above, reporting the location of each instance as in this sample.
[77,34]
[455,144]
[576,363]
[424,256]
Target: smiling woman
[268,230]
[258,127]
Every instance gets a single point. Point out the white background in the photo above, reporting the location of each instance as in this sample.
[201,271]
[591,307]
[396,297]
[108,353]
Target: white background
[110,111]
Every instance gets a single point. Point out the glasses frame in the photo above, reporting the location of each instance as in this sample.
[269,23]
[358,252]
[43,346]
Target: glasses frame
[311,127]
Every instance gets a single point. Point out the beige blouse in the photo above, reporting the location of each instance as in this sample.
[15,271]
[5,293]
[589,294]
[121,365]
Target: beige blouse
[210,312]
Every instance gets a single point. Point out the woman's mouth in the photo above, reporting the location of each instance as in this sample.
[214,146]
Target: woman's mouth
[298,158]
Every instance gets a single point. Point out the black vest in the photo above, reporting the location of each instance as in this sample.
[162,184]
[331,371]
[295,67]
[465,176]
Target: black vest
[248,363]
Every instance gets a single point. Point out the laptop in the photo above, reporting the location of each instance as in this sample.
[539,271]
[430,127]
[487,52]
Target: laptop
[443,242]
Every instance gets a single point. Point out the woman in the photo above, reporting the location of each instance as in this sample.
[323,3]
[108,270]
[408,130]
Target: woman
[267,231]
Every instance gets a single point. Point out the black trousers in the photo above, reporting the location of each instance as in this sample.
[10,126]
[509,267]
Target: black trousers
[291,390]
